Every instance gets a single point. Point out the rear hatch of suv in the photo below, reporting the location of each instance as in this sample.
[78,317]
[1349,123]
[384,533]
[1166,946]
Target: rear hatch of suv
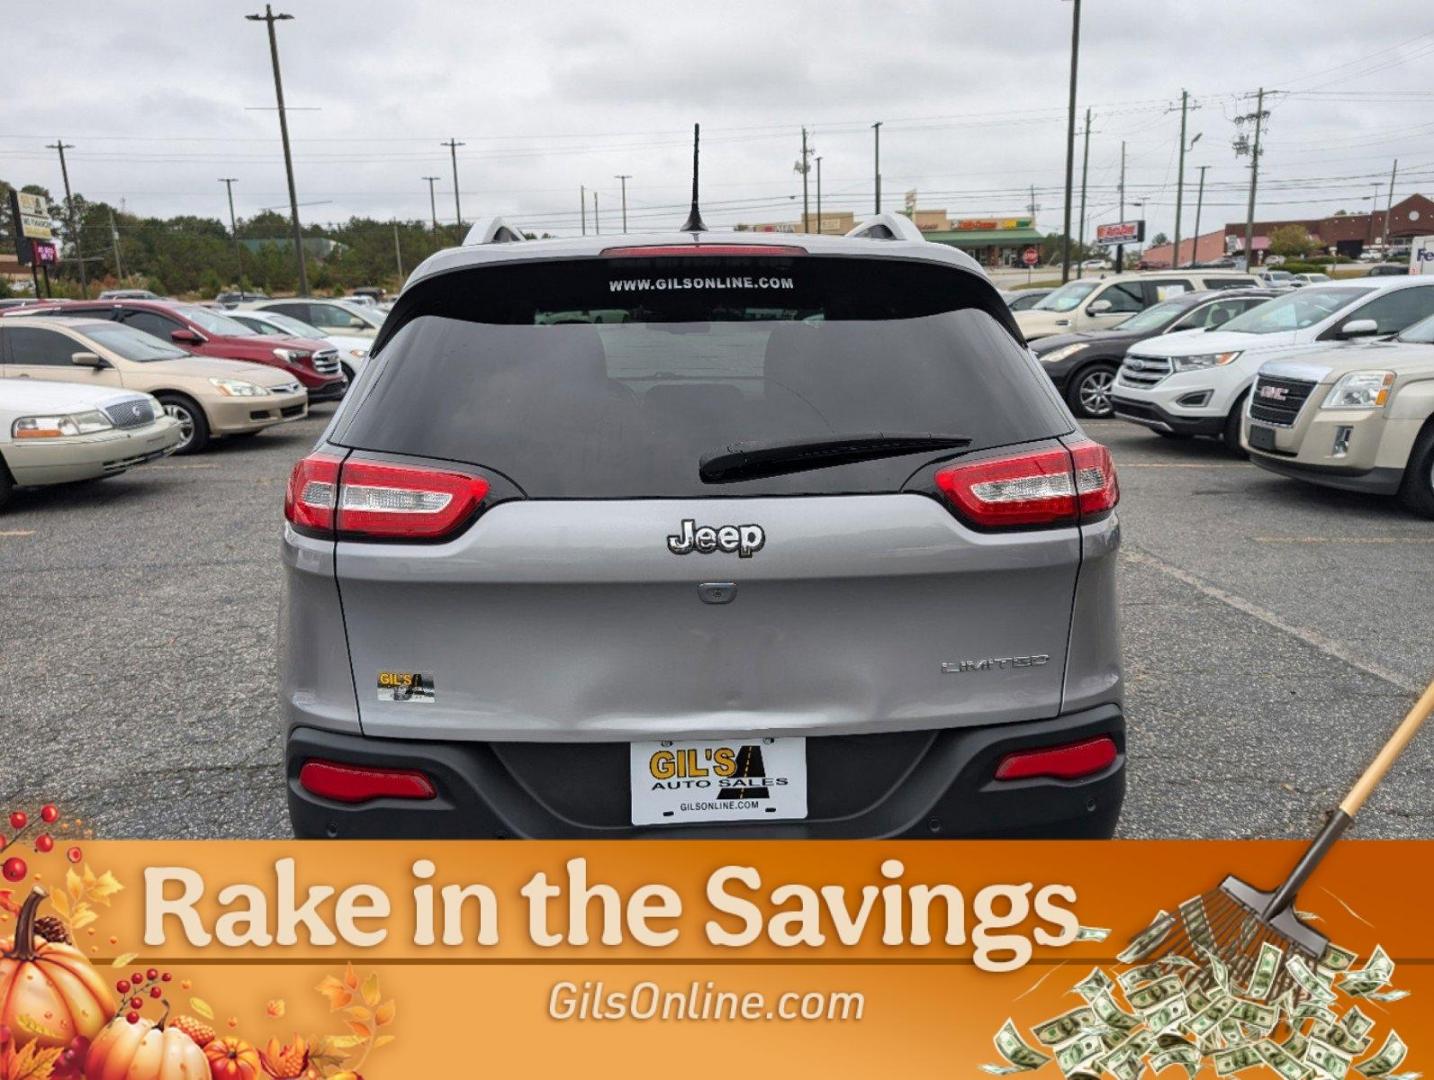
[527,534]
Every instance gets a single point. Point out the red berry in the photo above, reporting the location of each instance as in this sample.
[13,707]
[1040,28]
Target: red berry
[122,986]
[132,1017]
[4,841]
[14,869]
[152,974]
[137,978]
[19,819]
[165,977]
[44,843]
[74,854]
[155,991]
[49,812]
[136,1003]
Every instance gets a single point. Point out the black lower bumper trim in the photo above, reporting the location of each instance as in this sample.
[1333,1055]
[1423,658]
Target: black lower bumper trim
[329,391]
[1382,481]
[947,789]
[1153,416]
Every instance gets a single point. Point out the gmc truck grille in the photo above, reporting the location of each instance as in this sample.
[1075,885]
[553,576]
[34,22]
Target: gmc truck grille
[1278,401]
[326,362]
[1144,371]
[130,414]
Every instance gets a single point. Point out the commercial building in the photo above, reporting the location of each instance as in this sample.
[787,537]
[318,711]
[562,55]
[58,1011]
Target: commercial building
[1348,234]
[1205,248]
[992,241]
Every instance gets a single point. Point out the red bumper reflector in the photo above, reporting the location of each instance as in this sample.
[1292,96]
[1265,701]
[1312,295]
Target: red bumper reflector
[1069,762]
[357,783]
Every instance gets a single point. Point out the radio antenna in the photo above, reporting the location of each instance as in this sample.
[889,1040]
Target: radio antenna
[694,219]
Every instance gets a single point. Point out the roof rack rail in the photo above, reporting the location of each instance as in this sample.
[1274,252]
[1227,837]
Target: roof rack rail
[888,227]
[493,230]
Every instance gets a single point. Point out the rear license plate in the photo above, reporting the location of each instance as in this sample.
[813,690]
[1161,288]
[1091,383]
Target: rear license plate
[687,780]
[1261,437]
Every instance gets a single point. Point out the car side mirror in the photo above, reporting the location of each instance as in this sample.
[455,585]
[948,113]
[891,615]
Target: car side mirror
[87,359]
[1359,328]
[1098,307]
[185,336]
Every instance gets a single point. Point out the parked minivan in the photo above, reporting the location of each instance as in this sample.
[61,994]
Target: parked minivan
[803,544]
[1101,303]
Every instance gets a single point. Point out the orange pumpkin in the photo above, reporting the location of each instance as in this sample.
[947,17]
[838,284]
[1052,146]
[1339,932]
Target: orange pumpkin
[49,994]
[231,1058]
[144,1051]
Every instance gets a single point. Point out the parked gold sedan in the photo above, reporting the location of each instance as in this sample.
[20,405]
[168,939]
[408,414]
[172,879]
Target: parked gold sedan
[209,397]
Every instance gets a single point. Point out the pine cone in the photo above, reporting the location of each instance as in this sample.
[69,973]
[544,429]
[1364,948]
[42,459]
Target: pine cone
[197,1030]
[52,929]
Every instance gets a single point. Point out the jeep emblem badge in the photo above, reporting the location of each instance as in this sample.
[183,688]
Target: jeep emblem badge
[745,540]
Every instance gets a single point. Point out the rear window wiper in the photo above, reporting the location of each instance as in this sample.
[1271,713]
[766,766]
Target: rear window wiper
[778,457]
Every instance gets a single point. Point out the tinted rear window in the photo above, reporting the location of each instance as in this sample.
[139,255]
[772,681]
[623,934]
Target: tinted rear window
[611,378]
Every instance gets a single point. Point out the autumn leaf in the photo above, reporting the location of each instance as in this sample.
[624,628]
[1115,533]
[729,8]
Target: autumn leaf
[33,1063]
[371,993]
[84,915]
[335,1043]
[363,1031]
[61,903]
[123,959]
[351,979]
[359,1013]
[202,1007]
[7,902]
[276,1008]
[74,885]
[384,1014]
[337,993]
[102,888]
[383,1040]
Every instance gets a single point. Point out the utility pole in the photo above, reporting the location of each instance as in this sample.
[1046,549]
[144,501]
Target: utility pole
[453,145]
[228,182]
[597,225]
[1070,142]
[432,201]
[270,18]
[1199,201]
[1373,209]
[804,167]
[1180,182]
[1389,207]
[876,127]
[1120,248]
[1084,172]
[583,207]
[62,146]
[623,178]
[114,239]
[1258,116]
[397,251]
[819,193]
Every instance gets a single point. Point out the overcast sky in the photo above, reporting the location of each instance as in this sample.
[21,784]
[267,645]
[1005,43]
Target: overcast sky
[160,98]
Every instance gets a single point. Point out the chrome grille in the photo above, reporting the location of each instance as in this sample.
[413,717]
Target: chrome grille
[326,362]
[1144,371]
[1279,401]
[128,414]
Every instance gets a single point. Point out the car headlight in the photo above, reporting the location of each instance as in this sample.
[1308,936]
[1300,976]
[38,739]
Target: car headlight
[1204,360]
[1057,355]
[238,388]
[359,354]
[60,426]
[1361,390]
[290,356]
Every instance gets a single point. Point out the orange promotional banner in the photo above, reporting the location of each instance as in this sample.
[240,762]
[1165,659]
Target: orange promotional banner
[389,959]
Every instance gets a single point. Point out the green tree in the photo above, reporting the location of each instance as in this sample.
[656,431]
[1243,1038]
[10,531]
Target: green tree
[1290,241]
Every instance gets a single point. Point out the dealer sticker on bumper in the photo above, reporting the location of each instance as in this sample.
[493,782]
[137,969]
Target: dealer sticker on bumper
[687,780]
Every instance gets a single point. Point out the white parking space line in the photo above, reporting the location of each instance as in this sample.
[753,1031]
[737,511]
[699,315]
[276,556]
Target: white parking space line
[1312,638]
[190,465]
[1182,465]
[1343,539]
[16,532]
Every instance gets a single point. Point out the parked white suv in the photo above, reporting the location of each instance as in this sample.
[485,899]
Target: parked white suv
[1195,382]
[1104,302]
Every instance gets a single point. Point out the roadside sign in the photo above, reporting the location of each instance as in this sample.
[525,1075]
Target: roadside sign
[1121,232]
[45,252]
[34,216]
[1421,256]
[1030,256]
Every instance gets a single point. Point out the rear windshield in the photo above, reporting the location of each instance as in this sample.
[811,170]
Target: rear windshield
[611,378]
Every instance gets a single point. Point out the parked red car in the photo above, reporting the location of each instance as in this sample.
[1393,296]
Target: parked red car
[207,332]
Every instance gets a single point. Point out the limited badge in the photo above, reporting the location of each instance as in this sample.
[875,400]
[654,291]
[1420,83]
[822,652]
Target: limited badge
[405,686]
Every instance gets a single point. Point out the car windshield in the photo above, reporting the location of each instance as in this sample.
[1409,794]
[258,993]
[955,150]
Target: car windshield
[1421,333]
[1154,317]
[364,312]
[1297,311]
[1067,296]
[132,344]
[215,323]
[287,324]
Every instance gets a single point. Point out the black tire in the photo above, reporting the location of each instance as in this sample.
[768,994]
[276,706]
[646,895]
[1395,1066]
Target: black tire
[348,372]
[191,419]
[1088,392]
[1231,437]
[6,485]
[1416,491]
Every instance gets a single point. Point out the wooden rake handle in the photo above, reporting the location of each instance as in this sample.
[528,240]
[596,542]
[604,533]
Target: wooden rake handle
[1389,754]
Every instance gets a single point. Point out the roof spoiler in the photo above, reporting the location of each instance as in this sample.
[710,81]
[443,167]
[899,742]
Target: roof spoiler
[888,227]
[493,230]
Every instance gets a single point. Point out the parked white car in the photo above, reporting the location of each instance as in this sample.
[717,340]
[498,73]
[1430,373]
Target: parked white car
[1195,382]
[329,316]
[57,432]
[1101,303]
[352,349]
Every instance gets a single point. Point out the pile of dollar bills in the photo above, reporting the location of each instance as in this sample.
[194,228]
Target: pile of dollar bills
[1189,1010]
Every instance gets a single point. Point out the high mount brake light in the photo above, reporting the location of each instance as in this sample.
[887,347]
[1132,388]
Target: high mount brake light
[696,250]
[369,500]
[1044,488]
[1069,762]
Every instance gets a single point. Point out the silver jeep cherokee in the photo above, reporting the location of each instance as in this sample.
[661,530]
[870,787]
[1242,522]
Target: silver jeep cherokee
[770,536]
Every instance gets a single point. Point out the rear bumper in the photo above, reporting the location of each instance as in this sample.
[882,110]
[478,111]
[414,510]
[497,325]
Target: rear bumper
[1150,415]
[932,784]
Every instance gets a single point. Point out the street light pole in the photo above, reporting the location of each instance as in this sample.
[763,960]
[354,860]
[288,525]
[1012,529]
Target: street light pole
[62,146]
[583,207]
[1199,201]
[1084,172]
[597,224]
[876,127]
[228,182]
[270,18]
[453,145]
[432,201]
[1070,142]
[623,178]
[819,193]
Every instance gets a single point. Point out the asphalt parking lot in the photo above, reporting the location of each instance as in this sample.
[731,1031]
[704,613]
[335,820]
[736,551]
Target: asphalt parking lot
[1274,634]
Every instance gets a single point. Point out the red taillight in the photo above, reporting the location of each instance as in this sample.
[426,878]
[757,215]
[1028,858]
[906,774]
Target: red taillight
[1069,762]
[312,494]
[379,501]
[357,783]
[693,250]
[1043,488]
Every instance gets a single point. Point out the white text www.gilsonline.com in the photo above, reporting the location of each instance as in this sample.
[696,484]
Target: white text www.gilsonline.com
[673,284]
[646,1000]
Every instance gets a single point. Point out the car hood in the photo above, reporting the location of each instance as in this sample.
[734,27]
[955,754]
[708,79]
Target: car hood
[29,395]
[205,367]
[1034,323]
[345,342]
[1194,342]
[284,341]
[1088,337]
[1403,358]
